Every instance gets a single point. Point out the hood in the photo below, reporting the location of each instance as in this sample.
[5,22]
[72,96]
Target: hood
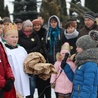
[56,18]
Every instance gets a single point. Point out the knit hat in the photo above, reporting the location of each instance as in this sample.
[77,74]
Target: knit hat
[36,21]
[18,20]
[27,23]
[6,19]
[88,41]
[90,15]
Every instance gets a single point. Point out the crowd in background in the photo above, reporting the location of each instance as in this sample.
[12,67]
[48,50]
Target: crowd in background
[76,77]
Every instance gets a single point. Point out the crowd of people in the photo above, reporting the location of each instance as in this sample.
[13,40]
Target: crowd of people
[73,53]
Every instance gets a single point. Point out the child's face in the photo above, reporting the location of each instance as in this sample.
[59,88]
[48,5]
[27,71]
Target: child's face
[70,29]
[53,23]
[37,27]
[62,54]
[11,39]
[79,50]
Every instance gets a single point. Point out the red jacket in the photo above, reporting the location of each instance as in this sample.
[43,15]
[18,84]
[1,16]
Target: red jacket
[5,69]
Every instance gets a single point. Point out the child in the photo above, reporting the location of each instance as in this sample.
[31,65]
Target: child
[85,82]
[62,85]
[53,37]
[16,55]
[70,35]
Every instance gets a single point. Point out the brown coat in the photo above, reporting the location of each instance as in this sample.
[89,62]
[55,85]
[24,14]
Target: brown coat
[85,30]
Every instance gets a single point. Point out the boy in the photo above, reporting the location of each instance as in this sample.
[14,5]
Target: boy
[16,55]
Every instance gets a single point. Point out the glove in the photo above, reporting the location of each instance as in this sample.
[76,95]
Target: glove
[8,85]
[63,64]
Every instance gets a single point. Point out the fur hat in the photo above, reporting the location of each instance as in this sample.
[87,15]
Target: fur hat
[66,46]
[64,49]
[36,21]
[27,23]
[90,15]
[88,41]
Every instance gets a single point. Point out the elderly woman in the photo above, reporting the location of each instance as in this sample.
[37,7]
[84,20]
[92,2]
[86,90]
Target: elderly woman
[31,42]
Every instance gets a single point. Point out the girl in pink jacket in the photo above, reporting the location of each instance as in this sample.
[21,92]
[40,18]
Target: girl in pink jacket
[62,85]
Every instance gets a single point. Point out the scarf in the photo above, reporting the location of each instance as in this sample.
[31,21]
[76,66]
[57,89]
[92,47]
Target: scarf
[87,55]
[53,34]
[71,35]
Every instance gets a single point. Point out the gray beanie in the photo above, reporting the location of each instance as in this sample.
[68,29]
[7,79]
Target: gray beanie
[90,15]
[88,41]
[27,23]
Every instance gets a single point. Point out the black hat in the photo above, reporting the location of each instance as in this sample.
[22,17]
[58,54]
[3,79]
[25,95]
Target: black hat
[90,15]
[18,20]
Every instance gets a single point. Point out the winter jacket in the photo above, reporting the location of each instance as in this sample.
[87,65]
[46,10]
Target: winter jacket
[85,30]
[62,83]
[42,36]
[85,81]
[31,43]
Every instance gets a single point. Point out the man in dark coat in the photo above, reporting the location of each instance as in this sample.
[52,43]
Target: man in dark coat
[89,24]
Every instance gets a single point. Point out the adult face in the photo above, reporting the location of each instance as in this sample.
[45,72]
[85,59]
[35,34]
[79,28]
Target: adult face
[19,26]
[53,23]
[37,27]
[70,29]
[88,22]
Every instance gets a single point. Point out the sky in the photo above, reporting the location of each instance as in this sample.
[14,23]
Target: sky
[10,5]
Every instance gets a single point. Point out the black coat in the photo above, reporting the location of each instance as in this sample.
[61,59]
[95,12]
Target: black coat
[31,43]
[72,42]
[42,36]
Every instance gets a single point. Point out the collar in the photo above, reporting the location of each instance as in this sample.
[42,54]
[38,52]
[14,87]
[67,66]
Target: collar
[10,47]
[71,35]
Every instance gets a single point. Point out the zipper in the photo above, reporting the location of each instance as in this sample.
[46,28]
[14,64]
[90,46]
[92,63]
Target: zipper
[78,90]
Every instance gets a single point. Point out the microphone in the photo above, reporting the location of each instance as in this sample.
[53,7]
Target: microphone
[63,63]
